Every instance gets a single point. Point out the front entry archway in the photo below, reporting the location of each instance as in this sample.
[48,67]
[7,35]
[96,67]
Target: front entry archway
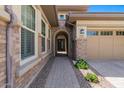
[61,43]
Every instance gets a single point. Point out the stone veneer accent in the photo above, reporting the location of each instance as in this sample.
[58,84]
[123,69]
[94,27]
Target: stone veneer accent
[2,54]
[81,48]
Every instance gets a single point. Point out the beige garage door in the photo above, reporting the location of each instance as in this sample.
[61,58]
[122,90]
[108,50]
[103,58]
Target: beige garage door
[119,45]
[105,45]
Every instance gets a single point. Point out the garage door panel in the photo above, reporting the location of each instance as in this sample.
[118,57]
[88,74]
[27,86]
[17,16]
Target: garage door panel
[92,48]
[118,47]
[106,47]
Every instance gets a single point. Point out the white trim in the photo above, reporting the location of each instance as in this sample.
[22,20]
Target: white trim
[28,29]
[46,35]
[28,59]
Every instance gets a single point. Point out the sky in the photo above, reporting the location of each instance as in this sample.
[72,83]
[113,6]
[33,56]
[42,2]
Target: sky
[106,8]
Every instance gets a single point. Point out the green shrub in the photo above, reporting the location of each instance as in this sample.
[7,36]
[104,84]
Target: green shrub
[92,78]
[81,64]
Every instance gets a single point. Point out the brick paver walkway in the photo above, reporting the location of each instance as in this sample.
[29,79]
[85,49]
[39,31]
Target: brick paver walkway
[62,74]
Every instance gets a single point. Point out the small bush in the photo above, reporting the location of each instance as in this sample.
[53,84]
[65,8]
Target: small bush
[81,64]
[92,78]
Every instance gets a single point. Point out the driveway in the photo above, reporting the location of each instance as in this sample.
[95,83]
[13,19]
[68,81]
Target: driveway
[112,70]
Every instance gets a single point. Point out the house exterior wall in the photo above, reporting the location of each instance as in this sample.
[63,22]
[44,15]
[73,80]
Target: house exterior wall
[4,19]
[68,31]
[2,54]
[26,74]
[23,74]
[62,13]
[82,41]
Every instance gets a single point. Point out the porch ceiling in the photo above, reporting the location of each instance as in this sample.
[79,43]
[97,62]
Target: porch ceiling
[51,14]
[82,8]
[95,16]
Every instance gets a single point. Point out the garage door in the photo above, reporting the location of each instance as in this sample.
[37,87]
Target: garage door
[105,45]
[119,45]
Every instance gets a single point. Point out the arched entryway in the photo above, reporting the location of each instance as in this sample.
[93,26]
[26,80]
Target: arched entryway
[61,43]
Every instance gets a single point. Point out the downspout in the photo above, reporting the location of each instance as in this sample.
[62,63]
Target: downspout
[9,47]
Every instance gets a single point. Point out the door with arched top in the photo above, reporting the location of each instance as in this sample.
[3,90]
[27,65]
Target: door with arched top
[61,44]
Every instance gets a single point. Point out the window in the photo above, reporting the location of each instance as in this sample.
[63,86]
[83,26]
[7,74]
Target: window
[43,44]
[27,31]
[92,33]
[43,29]
[28,16]
[62,17]
[106,33]
[120,33]
[43,32]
